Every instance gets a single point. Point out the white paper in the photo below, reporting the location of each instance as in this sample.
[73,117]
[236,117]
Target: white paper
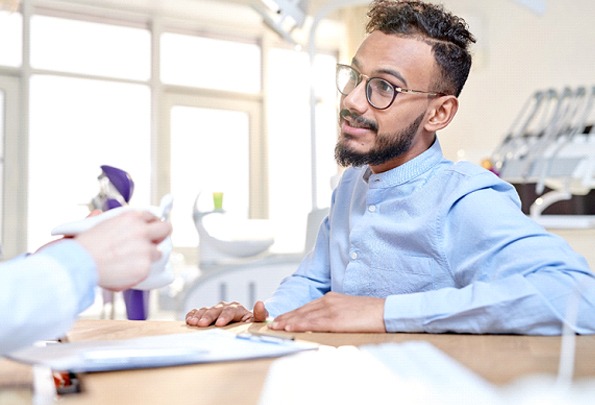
[413,372]
[213,345]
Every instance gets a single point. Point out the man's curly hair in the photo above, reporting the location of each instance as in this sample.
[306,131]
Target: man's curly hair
[448,35]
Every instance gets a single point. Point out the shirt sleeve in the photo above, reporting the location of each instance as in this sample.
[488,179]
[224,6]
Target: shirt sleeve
[512,277]
[42,294]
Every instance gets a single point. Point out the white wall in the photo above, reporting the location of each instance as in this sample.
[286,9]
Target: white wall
[517,53]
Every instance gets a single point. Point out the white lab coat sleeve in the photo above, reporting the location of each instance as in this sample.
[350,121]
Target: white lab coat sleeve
[42,294]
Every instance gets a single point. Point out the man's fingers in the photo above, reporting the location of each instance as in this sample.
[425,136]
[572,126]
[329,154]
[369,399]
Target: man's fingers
[260,312]
[219,315]
[193,316]
[232,313]
[202,317]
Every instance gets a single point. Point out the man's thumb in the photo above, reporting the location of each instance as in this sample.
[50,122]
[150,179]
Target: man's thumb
[260,312]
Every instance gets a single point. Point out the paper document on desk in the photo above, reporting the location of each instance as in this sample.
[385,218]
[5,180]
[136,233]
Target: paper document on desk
[214,345]
[413,372]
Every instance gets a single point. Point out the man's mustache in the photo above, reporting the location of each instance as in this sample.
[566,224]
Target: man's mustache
[358,119]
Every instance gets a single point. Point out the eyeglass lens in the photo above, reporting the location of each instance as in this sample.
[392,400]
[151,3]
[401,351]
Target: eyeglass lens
[379,92]
[347,79]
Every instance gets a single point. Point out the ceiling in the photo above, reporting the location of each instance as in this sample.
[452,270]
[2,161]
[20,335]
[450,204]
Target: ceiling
[186,8]
[311,6]
[199,7]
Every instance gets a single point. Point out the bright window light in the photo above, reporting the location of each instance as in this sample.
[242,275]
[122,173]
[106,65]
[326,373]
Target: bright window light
[210,63]
[326,126]
[2,119]
[90,48]
[11,44]
[209,153]
[290,154]
[76,126]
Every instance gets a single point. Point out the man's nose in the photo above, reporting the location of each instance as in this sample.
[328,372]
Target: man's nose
[356,100]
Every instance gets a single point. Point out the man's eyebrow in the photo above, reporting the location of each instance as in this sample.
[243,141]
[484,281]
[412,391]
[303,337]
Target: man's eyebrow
[355,63]
[386,71]
[394,73]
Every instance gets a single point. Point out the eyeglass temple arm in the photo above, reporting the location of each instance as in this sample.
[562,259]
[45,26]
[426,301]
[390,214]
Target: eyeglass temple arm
[429,93]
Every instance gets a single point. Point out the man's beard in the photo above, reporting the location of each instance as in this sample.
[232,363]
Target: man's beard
[387,146]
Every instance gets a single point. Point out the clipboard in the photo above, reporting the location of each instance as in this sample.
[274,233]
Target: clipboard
[213,345]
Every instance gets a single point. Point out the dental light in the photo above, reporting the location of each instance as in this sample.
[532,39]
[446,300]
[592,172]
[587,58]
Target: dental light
[282,16]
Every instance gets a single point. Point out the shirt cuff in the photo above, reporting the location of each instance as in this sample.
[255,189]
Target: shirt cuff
[80,266]
[402,313]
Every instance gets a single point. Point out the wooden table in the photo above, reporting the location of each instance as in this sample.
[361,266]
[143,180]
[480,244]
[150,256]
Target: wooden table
[499,359]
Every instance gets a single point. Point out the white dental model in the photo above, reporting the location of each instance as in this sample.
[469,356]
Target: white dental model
[161,273]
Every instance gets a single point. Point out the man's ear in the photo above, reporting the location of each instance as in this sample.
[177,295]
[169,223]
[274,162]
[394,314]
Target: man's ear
[442,111]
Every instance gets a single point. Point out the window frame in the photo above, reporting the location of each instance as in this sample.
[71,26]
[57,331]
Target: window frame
[15,168]
[175,96]
[254,31]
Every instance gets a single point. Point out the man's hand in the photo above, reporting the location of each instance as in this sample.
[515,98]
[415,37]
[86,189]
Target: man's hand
[335,313]
[225,313]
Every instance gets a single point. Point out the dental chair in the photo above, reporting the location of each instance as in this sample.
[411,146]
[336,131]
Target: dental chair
[549,156]
[245,281]
[224,238]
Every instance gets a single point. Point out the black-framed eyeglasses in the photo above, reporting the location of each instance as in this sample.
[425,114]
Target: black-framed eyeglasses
[380,93]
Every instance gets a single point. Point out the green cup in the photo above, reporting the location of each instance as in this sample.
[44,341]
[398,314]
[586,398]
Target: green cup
[218,200]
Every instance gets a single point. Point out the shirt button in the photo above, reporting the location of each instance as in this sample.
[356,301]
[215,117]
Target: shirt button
[372,208]
[353,255]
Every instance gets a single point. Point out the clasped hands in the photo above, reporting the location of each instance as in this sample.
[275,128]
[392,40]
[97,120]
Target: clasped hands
[333,312]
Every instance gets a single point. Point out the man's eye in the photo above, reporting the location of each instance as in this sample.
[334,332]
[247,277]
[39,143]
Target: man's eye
[383,87]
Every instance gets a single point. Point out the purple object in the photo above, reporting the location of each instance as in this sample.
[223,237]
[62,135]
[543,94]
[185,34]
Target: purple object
[137,301]
[120,180]
[112,203]
[137,304]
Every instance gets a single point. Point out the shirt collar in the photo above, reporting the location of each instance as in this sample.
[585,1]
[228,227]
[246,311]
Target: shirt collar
[407,171]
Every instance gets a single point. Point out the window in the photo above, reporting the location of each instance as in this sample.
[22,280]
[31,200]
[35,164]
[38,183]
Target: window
[209,153]
[12,192]
[2,112]
[77,125]
[210,63]
[91,101]
[290,149]
[11,51]
[211,132]
[326,126]
[90,48]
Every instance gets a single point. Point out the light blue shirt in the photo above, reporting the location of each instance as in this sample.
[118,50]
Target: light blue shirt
[448,247]
[42,294]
